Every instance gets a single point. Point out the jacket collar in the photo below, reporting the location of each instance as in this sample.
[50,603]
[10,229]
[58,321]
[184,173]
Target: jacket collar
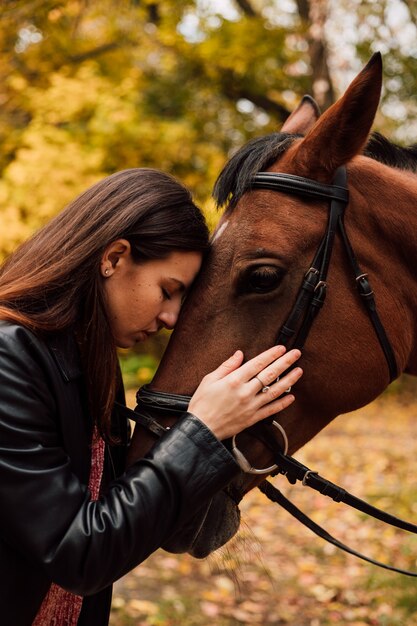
[65,352]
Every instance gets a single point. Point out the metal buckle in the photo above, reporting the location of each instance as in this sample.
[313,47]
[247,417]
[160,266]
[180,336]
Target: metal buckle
[321,283]
[311,270]
[243,462]
[306,475]
[361,276]
[362,286]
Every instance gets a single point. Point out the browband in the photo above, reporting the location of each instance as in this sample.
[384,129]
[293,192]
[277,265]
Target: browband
[290,183]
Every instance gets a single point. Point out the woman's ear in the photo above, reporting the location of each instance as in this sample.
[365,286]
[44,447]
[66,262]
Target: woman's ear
[115,253]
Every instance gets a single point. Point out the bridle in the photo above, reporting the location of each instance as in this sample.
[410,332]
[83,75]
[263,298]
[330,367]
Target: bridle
[294,332]
[312,293]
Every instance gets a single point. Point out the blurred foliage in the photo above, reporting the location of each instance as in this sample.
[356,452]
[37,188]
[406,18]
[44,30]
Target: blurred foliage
[90,87]
[137,369]
[138,366]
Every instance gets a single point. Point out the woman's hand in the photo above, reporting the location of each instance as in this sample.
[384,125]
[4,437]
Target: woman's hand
[231,399]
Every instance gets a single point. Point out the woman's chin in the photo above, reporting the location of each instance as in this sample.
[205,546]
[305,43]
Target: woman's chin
[126,343]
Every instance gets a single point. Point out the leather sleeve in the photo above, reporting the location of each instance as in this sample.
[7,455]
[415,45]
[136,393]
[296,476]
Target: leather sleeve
[46,512]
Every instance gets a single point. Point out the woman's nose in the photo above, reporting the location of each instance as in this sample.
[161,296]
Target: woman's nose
[169,316]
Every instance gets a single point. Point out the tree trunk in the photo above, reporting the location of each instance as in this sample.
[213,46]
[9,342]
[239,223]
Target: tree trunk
[314,14]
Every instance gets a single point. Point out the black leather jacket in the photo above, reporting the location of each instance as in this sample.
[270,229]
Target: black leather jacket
[50,530]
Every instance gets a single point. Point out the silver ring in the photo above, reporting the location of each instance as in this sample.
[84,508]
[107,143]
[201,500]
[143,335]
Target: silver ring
[264,388]
[243,462]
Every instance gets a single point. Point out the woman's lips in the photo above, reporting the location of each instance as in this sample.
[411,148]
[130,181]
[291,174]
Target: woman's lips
[145,334]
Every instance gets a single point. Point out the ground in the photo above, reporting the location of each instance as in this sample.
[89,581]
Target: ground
[276,572]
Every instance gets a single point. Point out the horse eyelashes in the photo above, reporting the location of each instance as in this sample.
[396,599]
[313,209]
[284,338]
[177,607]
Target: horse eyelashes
[261,279]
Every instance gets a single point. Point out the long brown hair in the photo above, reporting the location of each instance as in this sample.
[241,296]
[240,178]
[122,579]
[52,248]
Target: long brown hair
[52,282]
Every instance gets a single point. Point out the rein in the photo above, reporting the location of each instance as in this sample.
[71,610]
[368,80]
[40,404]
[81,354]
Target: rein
[309,301]
[292,469]
[296,471]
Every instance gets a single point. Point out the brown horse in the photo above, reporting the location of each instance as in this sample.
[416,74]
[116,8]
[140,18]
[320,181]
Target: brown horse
[262,247]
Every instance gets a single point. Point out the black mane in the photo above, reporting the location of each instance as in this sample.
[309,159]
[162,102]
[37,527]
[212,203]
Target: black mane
[381,149]
[260,153]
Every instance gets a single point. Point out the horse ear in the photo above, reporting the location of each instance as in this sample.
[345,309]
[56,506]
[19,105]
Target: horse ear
[303,118]
[342,131]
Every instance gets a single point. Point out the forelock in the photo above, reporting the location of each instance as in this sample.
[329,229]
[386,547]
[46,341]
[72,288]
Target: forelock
[257,155]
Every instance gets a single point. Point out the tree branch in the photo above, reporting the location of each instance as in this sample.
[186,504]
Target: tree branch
[303,7]
[153,12]
[95,52]
[246,8]
[314,14]
[233,89]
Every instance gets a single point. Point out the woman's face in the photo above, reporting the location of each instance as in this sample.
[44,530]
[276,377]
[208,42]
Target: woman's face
[144,297]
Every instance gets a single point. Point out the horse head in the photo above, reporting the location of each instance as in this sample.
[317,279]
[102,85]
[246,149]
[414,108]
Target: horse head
[262,247]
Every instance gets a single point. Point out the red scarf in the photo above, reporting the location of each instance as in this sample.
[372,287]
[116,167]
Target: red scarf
[60,607]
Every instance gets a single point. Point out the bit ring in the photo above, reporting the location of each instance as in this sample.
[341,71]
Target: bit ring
[243,462]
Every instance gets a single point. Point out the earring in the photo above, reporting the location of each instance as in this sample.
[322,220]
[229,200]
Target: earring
[106,271]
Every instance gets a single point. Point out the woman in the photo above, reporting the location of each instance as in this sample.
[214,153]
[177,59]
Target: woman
[109,271]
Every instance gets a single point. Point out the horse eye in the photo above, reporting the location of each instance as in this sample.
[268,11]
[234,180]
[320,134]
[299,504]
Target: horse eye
[262,279]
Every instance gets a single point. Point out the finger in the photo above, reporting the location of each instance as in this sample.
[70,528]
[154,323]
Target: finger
[259,362]
[277,389]
[275,369]
[274,407]
[228,366]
